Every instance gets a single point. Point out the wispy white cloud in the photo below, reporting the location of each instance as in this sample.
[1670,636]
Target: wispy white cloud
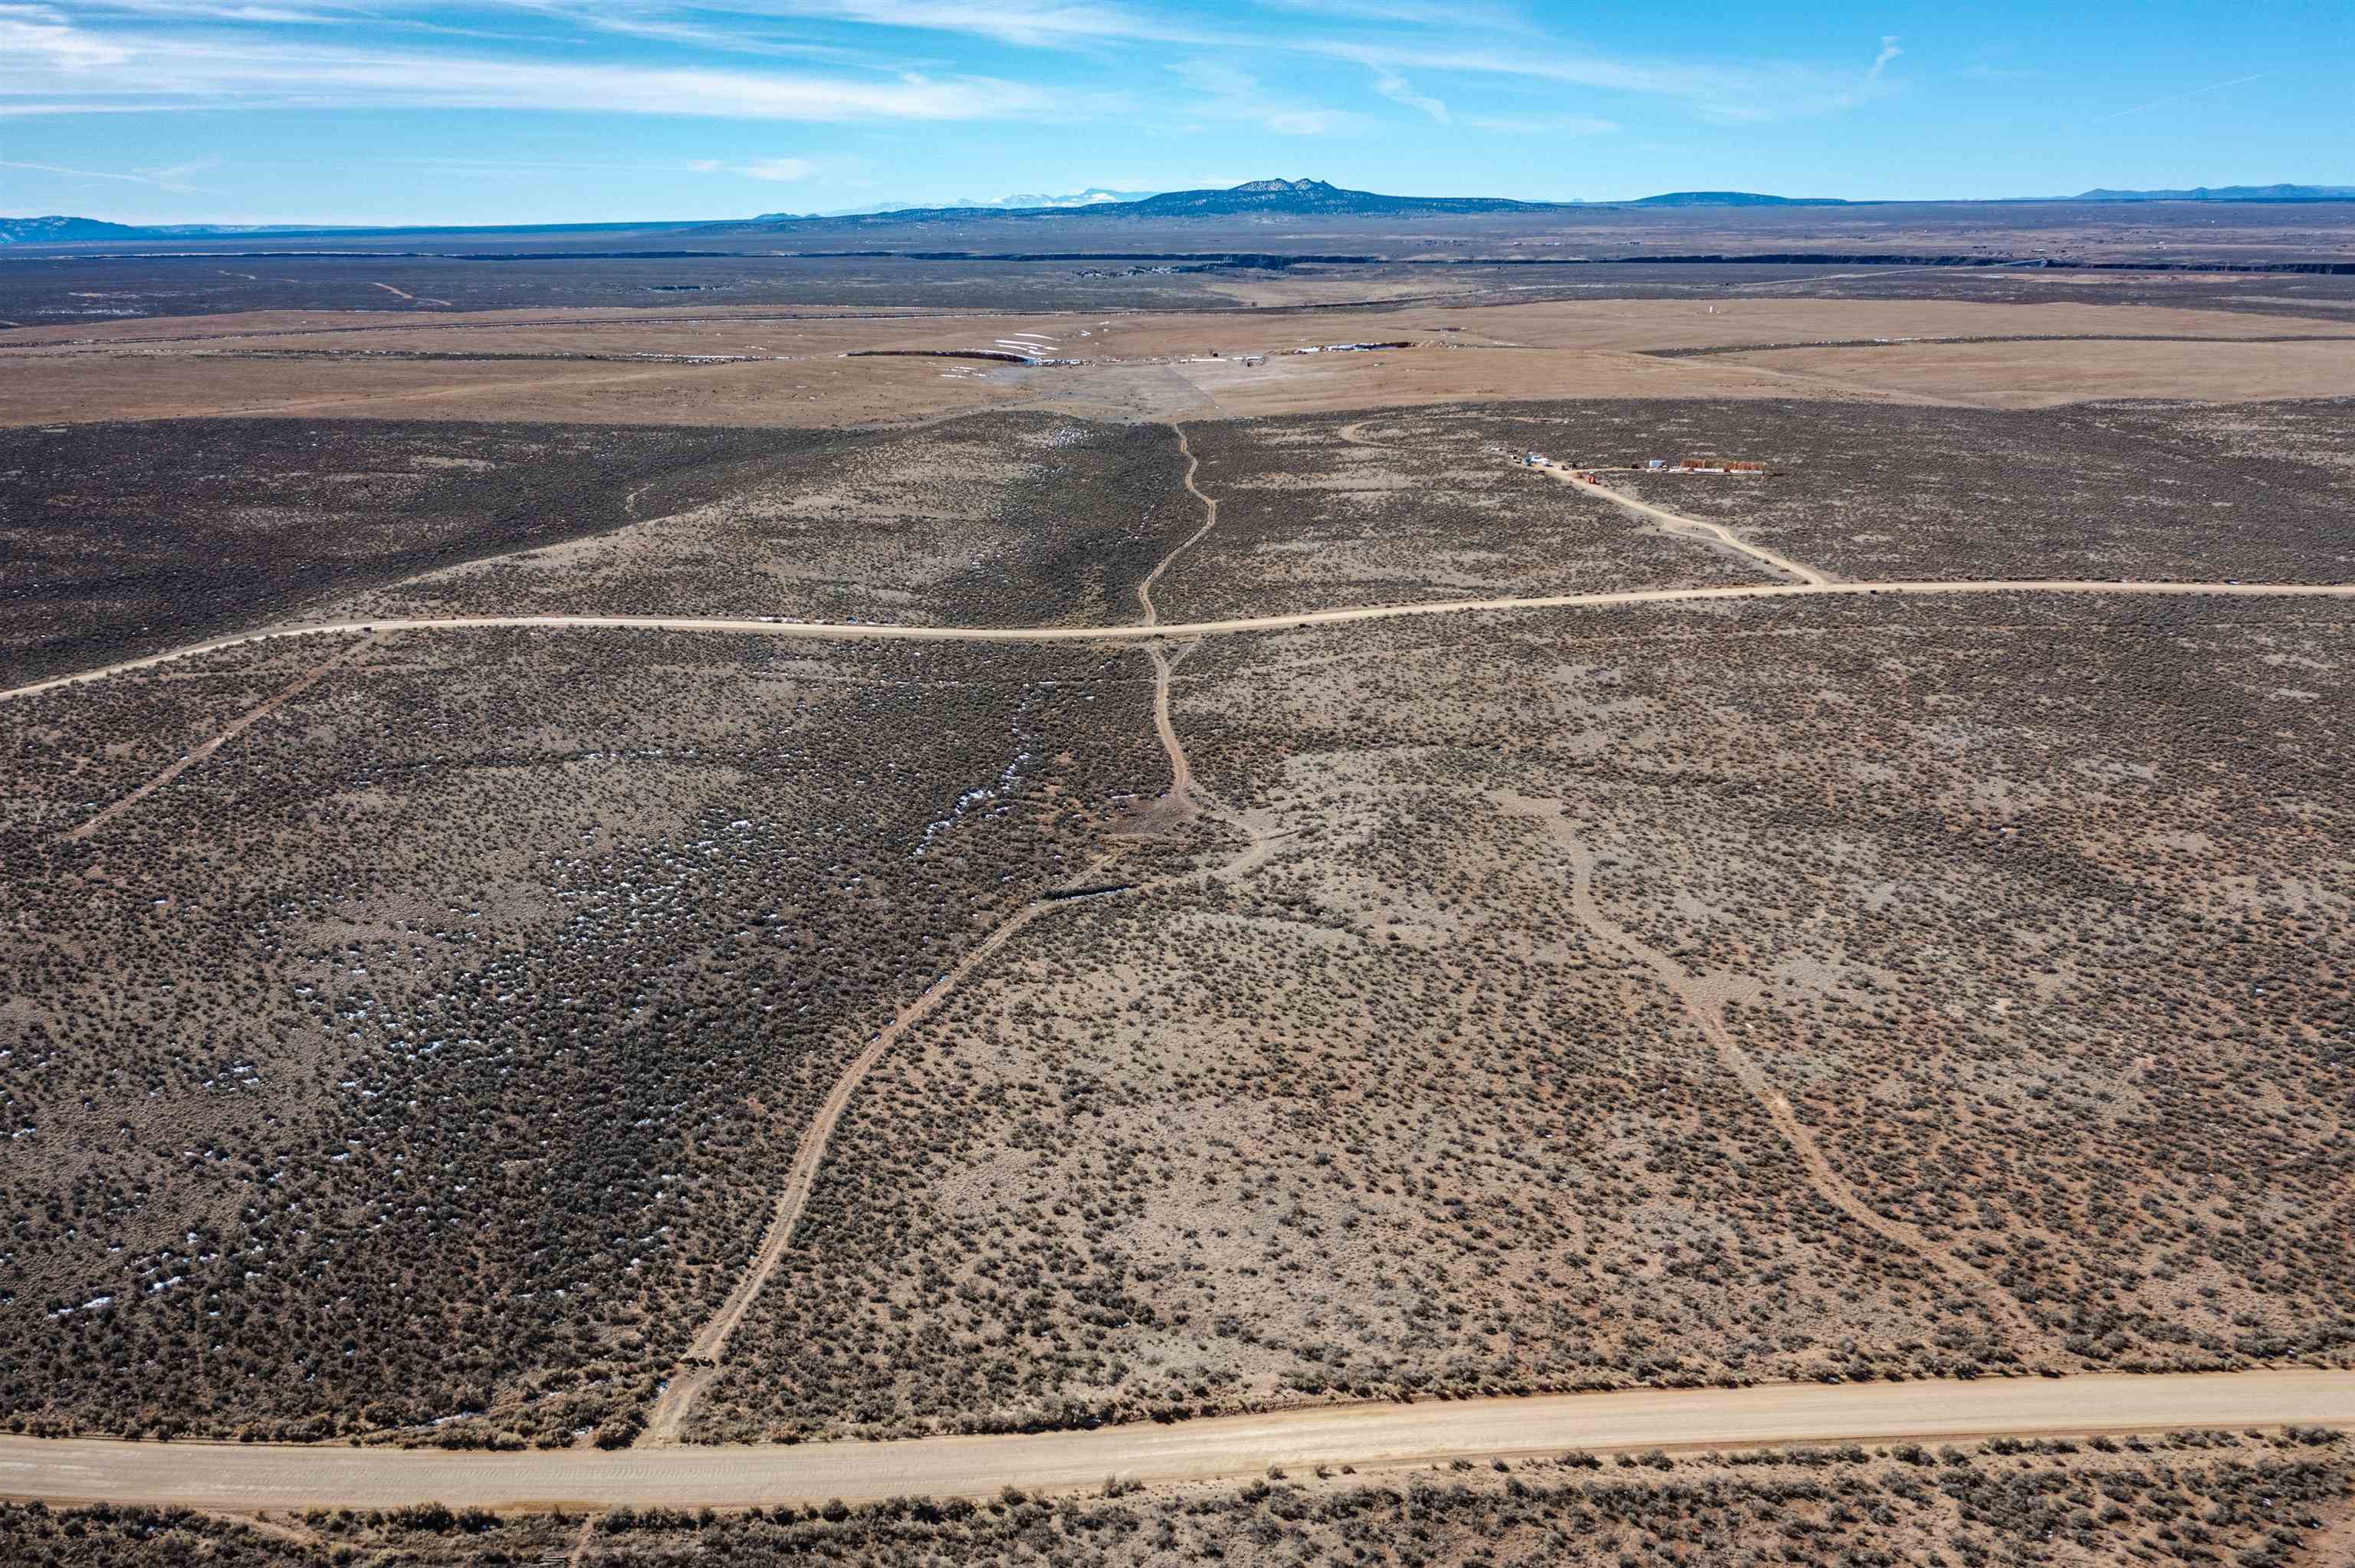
[1394,86]
[2177,98]
[654,20]
[171,178]
[174,70]
[1541,124]
[1415,13]
[37,37]
[515,165]
[1230,93]
[1731,93]
[218,11]
[859,66]
[783,170]
[1035,23]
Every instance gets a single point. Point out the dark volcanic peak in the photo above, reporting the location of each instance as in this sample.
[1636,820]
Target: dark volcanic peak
[1733,198]
[1252,199]
[1318,197]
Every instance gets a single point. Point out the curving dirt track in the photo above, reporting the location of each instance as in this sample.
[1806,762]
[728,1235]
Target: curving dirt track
[670,1409]
[1209,521]
[246,1476]
[668,1418]
[1704,1000]
[829,631]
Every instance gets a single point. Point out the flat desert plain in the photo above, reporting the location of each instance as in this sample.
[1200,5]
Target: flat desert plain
[658,896]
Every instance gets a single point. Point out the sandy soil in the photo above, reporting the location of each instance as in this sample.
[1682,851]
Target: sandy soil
[824,392]
[2041,374]
[260,1476]
[786,369]
[1577,324]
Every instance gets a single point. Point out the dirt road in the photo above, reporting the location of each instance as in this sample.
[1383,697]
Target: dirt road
[246,1476]
[669,1413]
[838,632]
[228,733]
[1692,527]
[1704,997]
[1209,521]
[668,1419]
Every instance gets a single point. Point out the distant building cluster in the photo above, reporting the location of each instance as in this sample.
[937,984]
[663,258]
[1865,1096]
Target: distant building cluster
[1652,465]
[1701,465]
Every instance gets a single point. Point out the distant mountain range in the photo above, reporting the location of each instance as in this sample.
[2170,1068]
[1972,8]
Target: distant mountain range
[1731,198]
[1254,198]
[1314,196]
[2225,192]
[1094,196]
[56,229]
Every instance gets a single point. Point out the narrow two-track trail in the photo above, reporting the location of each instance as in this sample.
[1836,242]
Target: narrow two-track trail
[1692,527]
[835,631]
[1209,521]
[227,732]
[669,1415]
[1704,1002]
[1181,774]
[668,1418]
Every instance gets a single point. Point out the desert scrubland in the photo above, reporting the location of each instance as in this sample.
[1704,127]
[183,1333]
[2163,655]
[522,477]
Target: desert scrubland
[554,1037]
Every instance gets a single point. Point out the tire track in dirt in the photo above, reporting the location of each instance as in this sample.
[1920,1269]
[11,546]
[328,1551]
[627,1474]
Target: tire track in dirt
[668,1418]
[235,728]
[1209,521]
[671,1408]
[1691,527]
[1705,1003]
[1181,773]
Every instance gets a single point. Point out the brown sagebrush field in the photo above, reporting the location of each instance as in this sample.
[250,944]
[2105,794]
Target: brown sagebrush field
[1729,993]
[416,1036]
[2192,1497]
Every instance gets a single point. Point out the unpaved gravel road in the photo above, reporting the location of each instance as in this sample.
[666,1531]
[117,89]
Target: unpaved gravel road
[258,1475]
[835,631]
[1691,527]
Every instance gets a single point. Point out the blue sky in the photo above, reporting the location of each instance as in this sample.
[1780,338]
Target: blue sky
[554,110]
